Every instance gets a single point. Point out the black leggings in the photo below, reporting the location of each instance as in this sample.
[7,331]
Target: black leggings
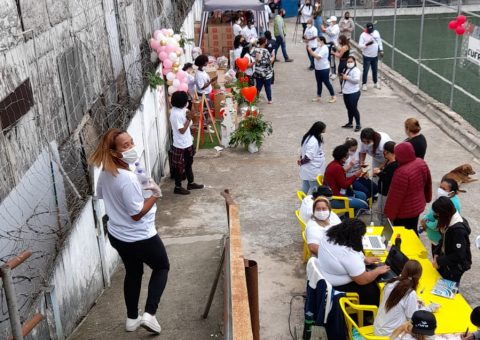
[369,294]
[134,254]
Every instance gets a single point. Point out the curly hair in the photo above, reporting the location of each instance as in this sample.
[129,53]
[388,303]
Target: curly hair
[349,233]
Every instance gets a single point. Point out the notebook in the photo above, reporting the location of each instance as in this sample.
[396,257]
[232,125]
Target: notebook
[445,288]
[396,260]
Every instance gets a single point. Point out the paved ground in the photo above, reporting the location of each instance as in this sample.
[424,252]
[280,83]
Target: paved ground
[264,185]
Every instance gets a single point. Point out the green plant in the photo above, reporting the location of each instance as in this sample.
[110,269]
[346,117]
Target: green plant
[251,130]
[184,41]
[154,80]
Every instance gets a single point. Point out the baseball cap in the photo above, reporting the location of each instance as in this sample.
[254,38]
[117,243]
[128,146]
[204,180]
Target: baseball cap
[424,322]
[475,316]
[369,25]
[333,18]
[323,190]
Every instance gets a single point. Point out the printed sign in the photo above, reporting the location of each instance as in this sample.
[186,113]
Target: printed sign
[473,50]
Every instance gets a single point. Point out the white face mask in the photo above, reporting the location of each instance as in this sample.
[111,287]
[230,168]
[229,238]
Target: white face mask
[350,65]
[130,156]
[322,215]
[442,193]
[351,153]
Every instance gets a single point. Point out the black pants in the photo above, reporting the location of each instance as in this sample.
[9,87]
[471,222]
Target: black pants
[331,59]
[134,254]
[304,26]
[342,66]
[367,62]
[451,273]
[409,223]
[321,77]
[188,159]
[351,103]
[369,294]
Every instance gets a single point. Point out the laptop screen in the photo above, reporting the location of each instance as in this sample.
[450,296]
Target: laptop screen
[396,260]
[387,232]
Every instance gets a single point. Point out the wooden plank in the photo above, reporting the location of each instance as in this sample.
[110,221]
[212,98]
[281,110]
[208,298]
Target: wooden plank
[241,323]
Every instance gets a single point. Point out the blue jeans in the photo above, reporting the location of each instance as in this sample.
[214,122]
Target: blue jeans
[322,76]
[367,62]
[351,103]
[312,65]
[281,42]
[365,185]
[356,202]
[309,186]
[318,24]
[268,87]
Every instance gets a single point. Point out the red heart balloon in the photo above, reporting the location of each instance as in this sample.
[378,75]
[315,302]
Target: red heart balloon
[242,63]
[249,93]
[460,30]
[453,25]
[461,19]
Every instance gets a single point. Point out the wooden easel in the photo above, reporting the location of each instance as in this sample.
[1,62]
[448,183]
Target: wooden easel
[201,123]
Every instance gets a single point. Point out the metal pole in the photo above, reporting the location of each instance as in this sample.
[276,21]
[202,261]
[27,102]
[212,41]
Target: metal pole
[420,45]
[11,302]
[215,283]
[454,71]
[373,9]
[355,18]
[394,33]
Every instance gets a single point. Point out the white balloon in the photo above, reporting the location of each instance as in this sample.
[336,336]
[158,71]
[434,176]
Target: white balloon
[171,90]
[171,76]
[176,83]
[153,56]
[170,32]
[177,37]
[173,56]
[172,42]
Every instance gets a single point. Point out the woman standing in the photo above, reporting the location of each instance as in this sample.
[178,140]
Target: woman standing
[263,68]
[312,158]
[306,13]
[321,219]
[351,92]
[131,225]
[385,173]
[317,16]
[418,140]
[452,256]
[342,52]
[238,45]
[372,144]
[322,70]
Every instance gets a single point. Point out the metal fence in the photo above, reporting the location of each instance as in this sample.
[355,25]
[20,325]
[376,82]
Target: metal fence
[419,45]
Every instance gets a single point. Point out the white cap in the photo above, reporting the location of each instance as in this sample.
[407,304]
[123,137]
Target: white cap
[477,241]
[333,18]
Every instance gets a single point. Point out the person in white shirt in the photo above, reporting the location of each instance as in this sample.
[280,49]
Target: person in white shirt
[306,13]
[399,299]
[422,327]
[331,34]
[238,46]
[351,93]
[182,150]
[237,27]
[203,82]
[306,207]
[188,68]
[322,69]
[321,219]
[249,32]
[371,45]
[342,261]
[372,144]
[310,37]
[312,157]
[131,225]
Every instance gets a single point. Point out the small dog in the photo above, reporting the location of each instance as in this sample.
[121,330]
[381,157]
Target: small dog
[461,174]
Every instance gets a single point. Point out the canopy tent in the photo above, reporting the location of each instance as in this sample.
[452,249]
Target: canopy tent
[255,6]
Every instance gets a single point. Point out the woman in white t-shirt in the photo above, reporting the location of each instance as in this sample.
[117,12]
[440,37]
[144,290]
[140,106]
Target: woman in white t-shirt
[351,92]
[372,144]
[399,299]
[306,207]
[131,225]
[342,261]
[312,157]
[322,69]
[321,219]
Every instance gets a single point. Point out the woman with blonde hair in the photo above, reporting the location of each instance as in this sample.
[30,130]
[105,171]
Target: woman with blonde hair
[418,140]
[322,218]
[131,225]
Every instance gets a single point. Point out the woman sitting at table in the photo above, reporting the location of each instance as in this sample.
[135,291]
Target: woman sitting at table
[399,300]
[452,256]
[321,219]
[340,184]
[343,264]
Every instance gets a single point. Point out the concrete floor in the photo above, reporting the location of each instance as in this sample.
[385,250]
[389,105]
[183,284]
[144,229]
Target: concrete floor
[264,185]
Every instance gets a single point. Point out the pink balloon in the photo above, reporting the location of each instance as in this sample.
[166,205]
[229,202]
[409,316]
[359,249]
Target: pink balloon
[453,25]
[162,49]
[165,71]
[181,75]
[461,19]
[167,63]
[163,56]
[460,30]
[170,48]
[154,44]
[164,31]
[183,87]
[156,34]
[179,49]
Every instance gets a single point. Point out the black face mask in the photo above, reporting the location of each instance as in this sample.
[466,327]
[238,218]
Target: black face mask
[283,15]
[370,30]
[347,17]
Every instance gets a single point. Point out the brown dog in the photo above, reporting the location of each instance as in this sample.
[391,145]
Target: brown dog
[461,174]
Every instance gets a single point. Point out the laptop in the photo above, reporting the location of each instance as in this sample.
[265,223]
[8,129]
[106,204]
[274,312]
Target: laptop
[378,242]
[396,260]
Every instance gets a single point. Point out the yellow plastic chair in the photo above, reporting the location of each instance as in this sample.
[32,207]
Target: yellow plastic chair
[367,332]
[303,225]
[306,252]
[301,195]
[320,179]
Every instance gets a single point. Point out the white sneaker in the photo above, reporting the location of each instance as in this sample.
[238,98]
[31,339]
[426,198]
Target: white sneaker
[132,324]
[377,86]
[364,87]
[150,323]
[333,76]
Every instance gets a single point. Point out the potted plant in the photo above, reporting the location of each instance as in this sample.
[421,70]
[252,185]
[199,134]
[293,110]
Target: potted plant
[251,132]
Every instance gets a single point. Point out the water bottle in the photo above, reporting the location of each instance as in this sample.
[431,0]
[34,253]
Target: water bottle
[398,241]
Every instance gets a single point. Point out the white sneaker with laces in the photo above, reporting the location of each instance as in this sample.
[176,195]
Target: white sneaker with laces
[132,324]
[377,86]
[364,87]
[150,323]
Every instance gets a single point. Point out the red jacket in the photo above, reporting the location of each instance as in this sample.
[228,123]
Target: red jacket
[411,186]
[336,179]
